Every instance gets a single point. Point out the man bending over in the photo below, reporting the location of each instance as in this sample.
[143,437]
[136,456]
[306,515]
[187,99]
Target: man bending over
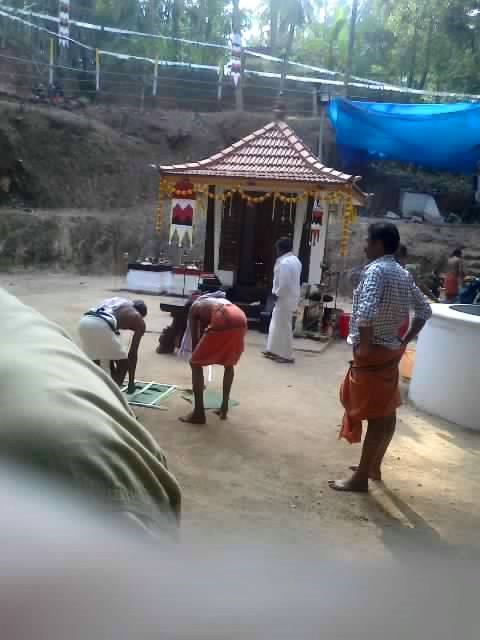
[218,330]
[99,331]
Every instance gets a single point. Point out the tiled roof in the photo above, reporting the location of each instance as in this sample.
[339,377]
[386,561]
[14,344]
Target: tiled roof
[274,152]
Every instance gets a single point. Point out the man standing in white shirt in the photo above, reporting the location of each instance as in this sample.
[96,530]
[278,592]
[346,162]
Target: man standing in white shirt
[286,293]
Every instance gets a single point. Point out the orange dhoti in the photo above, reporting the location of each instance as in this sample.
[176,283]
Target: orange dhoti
[224,339]
[452,287]
[370,390]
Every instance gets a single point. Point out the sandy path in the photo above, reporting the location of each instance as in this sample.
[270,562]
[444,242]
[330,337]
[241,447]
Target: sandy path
[266,469]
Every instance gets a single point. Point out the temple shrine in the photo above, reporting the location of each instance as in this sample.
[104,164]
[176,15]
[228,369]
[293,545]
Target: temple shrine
[240,200]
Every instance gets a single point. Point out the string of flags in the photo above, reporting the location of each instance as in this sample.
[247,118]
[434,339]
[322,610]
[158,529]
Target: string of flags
[64,23]
[355,81]
[236,61]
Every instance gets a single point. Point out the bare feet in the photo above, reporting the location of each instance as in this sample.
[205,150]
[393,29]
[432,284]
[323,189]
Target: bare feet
[354,484]
[373,475]
[194,418]
[222,413]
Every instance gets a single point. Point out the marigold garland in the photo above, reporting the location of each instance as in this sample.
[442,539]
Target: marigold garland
[167,188]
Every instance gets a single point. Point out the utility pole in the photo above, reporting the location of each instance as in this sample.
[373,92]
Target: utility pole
[51,59]
[324,100]
[220,84]
[155,77]
[351,44]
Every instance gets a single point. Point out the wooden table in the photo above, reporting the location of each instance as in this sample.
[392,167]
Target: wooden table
[172,335]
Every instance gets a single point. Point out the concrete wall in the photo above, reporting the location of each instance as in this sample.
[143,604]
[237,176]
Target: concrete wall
[94,241]
[88,241]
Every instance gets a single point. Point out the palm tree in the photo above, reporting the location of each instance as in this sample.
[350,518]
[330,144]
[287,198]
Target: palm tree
[296,13]
[351,44]
[176,13]
[274,10]
[237,29]
[333,39]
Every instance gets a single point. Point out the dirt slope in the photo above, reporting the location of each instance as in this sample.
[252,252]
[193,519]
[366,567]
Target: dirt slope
[99,158]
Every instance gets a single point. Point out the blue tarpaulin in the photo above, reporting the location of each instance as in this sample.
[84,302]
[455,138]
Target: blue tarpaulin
[435,136]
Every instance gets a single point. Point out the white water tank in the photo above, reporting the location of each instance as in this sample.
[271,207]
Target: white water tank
[446,376]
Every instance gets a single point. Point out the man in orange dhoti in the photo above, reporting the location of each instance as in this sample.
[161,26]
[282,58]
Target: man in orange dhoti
[218,330]
[454,276]
[382,300]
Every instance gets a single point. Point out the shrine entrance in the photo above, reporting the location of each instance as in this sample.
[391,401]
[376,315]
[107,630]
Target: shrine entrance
[248,235]
[258,190]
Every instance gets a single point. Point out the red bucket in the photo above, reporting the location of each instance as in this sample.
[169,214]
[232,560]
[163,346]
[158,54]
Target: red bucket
[344,326]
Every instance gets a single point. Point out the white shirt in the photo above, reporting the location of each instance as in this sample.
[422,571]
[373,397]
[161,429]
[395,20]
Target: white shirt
[113,304]
[108,308]
[286,280]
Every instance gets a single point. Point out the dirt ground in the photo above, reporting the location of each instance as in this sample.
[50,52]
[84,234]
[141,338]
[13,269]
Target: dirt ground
[265,471]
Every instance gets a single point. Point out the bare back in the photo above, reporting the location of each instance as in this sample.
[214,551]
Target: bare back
[129,319]
[203,310]
[455,266]
[201,315]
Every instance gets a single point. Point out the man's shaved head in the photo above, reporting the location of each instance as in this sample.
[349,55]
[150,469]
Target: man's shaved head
[141,307]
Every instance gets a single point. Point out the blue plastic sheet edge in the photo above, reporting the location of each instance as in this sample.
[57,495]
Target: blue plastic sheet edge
[435,136]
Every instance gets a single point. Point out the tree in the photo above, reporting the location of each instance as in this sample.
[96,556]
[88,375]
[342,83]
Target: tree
[236,30]
[424,44]
[176,12]
[295,14]
[351,43]
[275,6]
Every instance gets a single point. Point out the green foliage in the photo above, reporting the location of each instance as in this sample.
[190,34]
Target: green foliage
[200,20]
[425,44]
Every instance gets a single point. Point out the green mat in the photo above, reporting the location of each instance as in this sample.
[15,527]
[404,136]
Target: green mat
[149,394]
[211,399]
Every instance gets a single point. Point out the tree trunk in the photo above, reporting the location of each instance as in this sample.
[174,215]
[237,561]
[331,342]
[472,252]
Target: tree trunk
[4,32]
[273,26]
[413,60]
[351,44]
[209,20]
[176,11]
[236,28]
[414,49]
[288,53]
[236,22]
[428,55]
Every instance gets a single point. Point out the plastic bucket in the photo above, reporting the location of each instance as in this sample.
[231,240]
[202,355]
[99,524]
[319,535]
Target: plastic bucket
[344,326]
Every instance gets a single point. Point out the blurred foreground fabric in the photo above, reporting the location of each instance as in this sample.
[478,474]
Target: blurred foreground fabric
[65,420]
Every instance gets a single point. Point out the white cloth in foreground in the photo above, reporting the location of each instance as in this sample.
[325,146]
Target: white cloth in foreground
[286,286]
[98,331]
[99,340]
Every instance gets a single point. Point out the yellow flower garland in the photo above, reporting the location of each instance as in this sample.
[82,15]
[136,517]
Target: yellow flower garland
[167,189]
